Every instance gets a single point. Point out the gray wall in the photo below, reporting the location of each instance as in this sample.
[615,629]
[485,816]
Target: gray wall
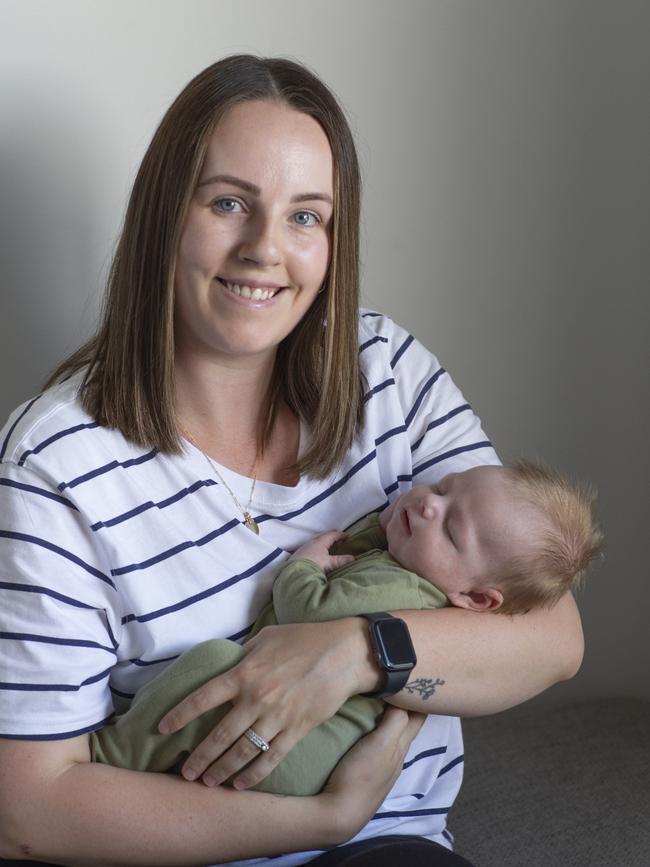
[506,155]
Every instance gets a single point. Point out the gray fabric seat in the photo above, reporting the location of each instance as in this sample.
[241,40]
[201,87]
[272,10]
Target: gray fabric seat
[564,787]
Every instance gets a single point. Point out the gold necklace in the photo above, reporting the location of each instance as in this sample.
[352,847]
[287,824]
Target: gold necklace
[249,522]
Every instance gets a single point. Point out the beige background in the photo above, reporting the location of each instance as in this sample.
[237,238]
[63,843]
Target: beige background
[506,156]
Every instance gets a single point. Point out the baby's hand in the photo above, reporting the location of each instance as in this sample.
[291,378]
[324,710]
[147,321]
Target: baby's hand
[317,550]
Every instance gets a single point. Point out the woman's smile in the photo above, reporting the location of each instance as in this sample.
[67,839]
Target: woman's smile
[250,289]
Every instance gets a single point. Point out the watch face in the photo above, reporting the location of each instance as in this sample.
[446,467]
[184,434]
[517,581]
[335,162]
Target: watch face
[395,642]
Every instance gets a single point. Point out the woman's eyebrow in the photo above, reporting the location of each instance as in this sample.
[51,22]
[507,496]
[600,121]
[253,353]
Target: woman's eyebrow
[254,190]
[310,197]
[231,179]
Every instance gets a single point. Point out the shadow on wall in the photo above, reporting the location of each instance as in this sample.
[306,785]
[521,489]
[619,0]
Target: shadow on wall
[48,213]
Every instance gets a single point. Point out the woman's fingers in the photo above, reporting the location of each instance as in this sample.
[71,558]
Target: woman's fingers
[377,758]
[291,679]
[226,739]
[212,694]
[366,774]
[244,753]
[398,729]
[415,723]
[266,762]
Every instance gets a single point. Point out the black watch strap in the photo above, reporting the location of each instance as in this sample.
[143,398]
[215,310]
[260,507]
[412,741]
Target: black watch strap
[393,650]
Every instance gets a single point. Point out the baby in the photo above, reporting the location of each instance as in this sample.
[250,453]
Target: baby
[488,539]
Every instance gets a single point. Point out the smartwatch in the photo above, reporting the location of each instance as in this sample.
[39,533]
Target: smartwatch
[393,650]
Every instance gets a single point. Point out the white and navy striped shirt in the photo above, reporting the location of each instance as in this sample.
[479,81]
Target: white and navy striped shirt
[114,559]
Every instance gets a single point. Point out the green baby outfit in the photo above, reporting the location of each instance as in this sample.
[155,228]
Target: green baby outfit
[301,594]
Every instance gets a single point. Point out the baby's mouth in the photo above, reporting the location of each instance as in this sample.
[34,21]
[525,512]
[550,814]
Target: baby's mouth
[406,524]
[252,293]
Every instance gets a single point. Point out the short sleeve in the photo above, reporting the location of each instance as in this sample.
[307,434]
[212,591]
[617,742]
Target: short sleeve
[59,617]
[444,433]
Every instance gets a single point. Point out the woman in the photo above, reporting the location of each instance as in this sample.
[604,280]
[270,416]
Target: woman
[231,406]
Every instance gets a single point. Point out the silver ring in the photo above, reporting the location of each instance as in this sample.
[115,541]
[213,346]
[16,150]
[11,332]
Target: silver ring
[257,740]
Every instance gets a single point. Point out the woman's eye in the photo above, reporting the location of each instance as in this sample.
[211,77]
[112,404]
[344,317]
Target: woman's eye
[306,218]
[228,206]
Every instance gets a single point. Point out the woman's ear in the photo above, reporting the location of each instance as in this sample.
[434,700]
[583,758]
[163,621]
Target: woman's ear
[479,599]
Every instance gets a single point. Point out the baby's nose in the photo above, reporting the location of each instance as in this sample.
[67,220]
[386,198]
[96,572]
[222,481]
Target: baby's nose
[430,506]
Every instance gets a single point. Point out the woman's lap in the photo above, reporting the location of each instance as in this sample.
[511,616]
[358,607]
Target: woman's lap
[388,851]
[4,863]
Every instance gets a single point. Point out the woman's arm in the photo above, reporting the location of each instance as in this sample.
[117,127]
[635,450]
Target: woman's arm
[472,663]
[292,674]
[56,805]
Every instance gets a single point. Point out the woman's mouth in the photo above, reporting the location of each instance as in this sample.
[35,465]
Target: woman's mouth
[251,293]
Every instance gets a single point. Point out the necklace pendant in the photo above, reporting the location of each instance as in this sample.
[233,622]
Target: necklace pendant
[251,524]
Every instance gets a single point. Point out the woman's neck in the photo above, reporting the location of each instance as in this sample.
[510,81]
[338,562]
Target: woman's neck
[221,408]
[221,397]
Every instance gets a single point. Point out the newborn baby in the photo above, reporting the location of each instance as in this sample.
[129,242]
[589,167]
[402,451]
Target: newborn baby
[488,539]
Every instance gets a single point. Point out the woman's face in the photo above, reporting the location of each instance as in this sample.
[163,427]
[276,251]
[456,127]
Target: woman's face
[256,242]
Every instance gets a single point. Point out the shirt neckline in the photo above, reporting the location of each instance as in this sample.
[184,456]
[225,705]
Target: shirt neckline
[266,494]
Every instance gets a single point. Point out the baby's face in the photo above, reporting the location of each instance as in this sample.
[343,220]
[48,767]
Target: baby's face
[460,533]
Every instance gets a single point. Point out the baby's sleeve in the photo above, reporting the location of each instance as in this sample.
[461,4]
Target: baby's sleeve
[302,593]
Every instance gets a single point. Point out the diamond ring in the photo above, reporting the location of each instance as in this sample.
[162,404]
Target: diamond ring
[257,740]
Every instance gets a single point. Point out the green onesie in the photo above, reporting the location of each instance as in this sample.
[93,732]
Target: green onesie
[301,594]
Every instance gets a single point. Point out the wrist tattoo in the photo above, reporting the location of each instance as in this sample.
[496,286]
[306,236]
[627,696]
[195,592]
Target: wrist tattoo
[424,686]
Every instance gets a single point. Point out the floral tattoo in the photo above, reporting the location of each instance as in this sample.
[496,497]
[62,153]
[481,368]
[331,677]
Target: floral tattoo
[424,686]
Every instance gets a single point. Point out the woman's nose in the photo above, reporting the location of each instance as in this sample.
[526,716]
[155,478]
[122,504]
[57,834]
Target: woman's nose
[260,245]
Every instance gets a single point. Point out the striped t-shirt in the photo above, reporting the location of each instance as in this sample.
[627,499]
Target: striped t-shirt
[114,558]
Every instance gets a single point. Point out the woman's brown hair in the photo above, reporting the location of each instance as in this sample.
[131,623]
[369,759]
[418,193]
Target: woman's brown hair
[128,382]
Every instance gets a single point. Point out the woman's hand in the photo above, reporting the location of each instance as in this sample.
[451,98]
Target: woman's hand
[292,678]
[366,774]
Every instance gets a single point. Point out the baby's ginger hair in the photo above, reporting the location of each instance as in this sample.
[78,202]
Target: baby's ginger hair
[563,544]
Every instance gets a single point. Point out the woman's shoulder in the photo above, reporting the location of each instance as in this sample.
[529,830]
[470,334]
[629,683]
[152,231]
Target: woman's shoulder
[373,324]
[40,417]
[382,341]
[53,421]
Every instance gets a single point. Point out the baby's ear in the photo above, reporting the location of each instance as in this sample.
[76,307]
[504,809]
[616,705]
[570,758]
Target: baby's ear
[479,599]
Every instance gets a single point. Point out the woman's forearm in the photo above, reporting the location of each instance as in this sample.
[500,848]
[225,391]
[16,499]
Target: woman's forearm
[91,814]
[471,663]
